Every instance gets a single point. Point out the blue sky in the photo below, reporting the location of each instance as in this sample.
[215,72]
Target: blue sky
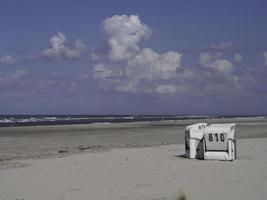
[133,57]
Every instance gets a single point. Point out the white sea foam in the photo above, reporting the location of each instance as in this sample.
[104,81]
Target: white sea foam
[49,118]
[6,120]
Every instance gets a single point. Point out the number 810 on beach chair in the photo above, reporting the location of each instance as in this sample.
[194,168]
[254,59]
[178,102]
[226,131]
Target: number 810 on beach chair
[219,143]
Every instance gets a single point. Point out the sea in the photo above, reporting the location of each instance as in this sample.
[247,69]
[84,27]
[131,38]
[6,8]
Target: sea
[37,120]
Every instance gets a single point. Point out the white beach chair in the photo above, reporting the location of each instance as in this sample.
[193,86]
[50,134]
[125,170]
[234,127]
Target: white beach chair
[193,140]
[219,142]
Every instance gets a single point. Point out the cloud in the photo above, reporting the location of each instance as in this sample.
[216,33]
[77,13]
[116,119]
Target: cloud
[238,58]
[222,65]
[7,60]
[80,45]
[58,48]
[12,84]
[265,58]
[166,89]
[19,73]
[204,58]
[217,72]
[123,35]
[102,72]
[215,62]
[7,80]
[221,46]
[141,74]
[129,68]
[123,65]
[150,65]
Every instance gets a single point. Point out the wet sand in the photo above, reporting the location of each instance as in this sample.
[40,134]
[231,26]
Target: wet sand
[53,141]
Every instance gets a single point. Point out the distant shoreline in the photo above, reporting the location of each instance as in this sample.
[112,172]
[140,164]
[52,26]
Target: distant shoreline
[48,120]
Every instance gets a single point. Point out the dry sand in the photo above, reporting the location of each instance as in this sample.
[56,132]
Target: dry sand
[139,173]
[157,172]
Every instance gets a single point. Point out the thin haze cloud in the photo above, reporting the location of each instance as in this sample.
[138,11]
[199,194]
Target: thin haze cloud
[7,60]
[265,58]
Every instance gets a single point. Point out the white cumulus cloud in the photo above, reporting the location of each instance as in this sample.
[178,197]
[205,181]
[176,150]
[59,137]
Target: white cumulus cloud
[7,60]
[124,33]
[141,74]
[150,65]
[131,69]
[215,62]
[222,65]
[59,49]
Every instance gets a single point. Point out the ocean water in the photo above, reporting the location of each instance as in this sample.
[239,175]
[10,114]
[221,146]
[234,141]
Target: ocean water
[34,120]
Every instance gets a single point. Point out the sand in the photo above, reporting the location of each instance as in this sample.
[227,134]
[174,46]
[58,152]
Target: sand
[48,141]
[139,173]
[112,170]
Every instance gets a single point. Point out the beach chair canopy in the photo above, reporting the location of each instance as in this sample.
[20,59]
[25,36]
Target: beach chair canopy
[195,131]
[193,140]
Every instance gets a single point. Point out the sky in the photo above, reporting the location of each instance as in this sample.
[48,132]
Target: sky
[133,57]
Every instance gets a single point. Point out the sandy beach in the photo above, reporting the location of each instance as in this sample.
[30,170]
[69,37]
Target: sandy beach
[127,161]
[139,173]
[48,141]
